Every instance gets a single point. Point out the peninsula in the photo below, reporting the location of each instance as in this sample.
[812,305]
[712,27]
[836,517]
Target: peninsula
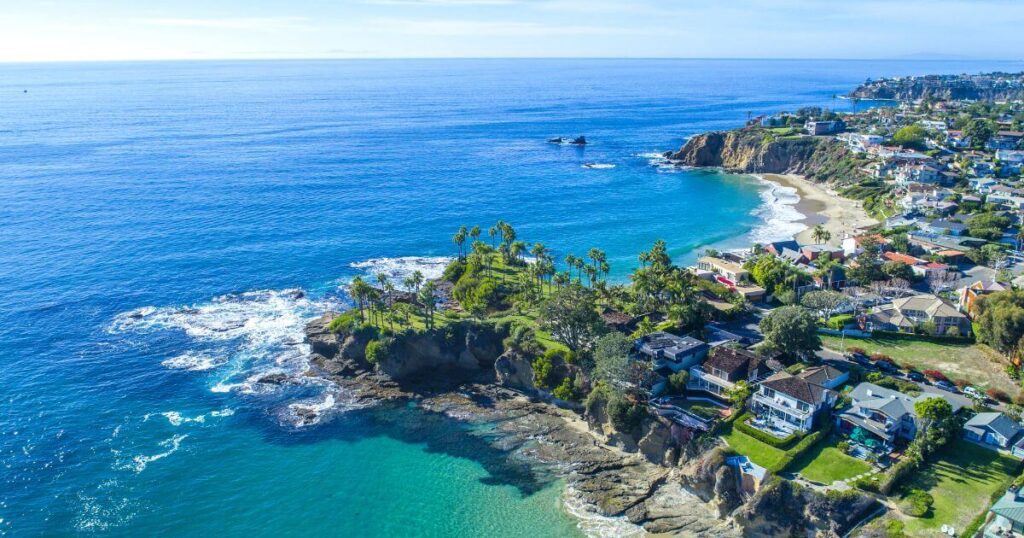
[862,379]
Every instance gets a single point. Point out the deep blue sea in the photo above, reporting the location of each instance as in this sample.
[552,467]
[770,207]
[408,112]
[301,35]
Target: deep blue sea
[157,218]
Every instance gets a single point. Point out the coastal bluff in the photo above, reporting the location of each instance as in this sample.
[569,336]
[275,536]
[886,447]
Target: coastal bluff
[753,151]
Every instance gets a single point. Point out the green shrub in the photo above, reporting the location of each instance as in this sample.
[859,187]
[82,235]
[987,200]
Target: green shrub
[566,390]
[677,382]
[917,503]
[840,321]
[624,415]
[378,350]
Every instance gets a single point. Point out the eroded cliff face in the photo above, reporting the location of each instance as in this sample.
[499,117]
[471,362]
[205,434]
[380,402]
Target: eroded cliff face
[911,89]
[751,151]
[784,508]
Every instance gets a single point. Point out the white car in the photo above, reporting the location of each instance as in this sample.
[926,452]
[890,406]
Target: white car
[974,393]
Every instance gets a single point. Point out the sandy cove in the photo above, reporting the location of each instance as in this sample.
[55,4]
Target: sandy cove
[820,205]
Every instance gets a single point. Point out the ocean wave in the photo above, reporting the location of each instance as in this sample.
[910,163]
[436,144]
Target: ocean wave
[659,161]
[598,166]
[400,268]
[780,218]
[596,525]
[106,508]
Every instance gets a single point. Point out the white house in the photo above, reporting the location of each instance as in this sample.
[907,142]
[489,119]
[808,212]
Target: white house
[789,403]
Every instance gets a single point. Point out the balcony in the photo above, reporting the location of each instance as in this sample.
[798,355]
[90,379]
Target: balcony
[783,405]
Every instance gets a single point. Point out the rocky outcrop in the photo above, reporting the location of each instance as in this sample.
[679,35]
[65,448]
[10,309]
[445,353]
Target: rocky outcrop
[785,508]
[748,151]
[657,442]
[753,150]
[514,370]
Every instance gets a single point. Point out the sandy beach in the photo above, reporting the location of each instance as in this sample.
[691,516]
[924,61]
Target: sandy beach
[821,206]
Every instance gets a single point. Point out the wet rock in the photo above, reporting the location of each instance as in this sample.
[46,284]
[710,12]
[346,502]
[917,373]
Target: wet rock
[514,371]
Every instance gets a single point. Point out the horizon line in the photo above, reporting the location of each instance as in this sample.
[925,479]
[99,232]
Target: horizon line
[484,58]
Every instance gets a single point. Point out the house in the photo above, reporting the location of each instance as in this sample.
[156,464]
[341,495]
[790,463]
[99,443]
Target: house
[996,430]
[786,403]
[945,227]
[818,128]
[877,417]
[927,173]
[957,140]
[825,252]
[969,295]
[777,247]
[917,265]
[1004,140]
[826,376]
[725,366]
[852,244]
[794,257]
[908,313]
[1007,515]
[732,275]
[1010,161]
[673,352]
[982,184]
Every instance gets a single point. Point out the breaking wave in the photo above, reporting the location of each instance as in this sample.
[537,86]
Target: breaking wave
[397,269]
[778,213]
[596,525]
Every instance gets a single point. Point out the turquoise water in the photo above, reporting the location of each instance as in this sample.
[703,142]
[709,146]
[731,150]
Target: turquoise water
[155,216]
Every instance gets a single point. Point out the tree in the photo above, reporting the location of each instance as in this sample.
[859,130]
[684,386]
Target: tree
[911,136]
[571,317]
[427,297]
[460,239]
[611,359]
[820,234]
[791,329]
[825,302]
[1000,321]
[360,291]
[868,267]
[937,426]
[898,270]
[979,130]
[549,369]
[474,233]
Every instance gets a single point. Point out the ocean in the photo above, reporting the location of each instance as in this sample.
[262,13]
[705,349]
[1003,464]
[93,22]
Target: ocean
[166,229]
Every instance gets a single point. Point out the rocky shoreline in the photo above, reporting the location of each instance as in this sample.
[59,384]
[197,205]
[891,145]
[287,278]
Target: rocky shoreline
[614,477]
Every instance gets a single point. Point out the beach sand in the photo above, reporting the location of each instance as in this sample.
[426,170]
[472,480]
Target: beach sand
[821,206]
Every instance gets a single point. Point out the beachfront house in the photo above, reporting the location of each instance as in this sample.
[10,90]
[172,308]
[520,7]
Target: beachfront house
[878,417]
[671,352]
[996,431]
[727,365]
[731,274]
[786,403]
[969,295]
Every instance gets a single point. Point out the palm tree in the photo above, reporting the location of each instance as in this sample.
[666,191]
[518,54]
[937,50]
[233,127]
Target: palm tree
[493,232]
[460,239]
[360,291]
[474,232]
[429,300]
[820,234]
[516,249]
[561,279]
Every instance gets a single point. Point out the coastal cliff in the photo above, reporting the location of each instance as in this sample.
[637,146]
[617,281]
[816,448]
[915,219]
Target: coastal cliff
[758,151]
[986,87]
[464,373]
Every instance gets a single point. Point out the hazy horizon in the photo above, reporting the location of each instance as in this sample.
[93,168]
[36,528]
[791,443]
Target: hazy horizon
[109,30]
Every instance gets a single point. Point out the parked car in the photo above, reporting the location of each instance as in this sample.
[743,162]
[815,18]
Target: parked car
[917,376]
[974,393]
[887,367]
[860,359]
[946,385]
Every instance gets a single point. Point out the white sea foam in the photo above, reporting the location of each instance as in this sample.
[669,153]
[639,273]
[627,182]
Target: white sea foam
[177,419]
[778,213]
[598,166]
[596,525]
[659,161]
[399,268]
[194,362]
[172,445]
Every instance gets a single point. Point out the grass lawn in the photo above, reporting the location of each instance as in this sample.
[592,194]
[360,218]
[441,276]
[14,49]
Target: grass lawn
[826,464]
[758,452]
[978,364]
[962,481]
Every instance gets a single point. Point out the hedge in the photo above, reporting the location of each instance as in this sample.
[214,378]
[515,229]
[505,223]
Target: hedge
[766,438]
[840,321]
[924,337]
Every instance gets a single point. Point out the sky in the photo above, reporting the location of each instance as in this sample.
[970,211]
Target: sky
[97,30]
